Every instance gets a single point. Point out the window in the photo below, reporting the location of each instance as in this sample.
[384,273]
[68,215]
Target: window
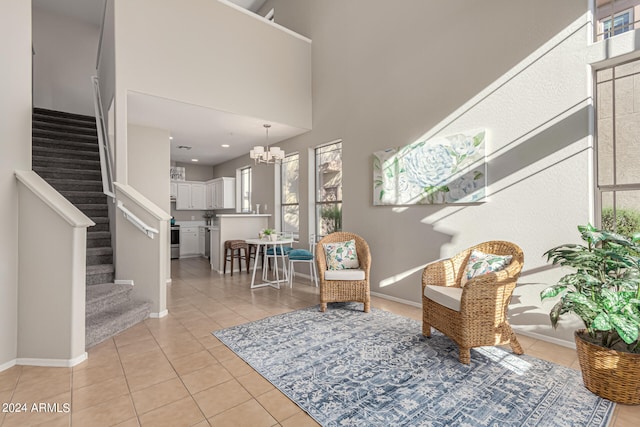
[622,22]
[289,195]
[617,153]
[245,189]
[328,166]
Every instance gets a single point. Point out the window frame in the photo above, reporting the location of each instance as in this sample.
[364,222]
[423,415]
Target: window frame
[317,205]
[602,190]
[283,204]
[611,32]
[241,188]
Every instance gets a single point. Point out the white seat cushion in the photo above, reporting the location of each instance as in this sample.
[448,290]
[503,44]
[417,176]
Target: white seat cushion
[346,274]
[444,295]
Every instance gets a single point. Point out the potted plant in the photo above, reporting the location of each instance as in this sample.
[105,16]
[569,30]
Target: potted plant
[603,291]
[270,234]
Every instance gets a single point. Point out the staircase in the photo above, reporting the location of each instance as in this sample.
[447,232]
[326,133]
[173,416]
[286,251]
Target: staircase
[65,154]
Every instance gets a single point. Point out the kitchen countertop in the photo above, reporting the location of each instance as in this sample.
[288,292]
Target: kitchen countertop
[190,223]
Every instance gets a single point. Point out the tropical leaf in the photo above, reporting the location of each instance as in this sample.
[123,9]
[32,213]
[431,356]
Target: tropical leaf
[580,299]
[602,322]
[610,300]
[552,291]
[627,330]
[631,312]
[554,314]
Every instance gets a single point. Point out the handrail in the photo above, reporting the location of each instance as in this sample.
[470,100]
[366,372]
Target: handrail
[611,31]
[106,161]
[56,201]
[137,222]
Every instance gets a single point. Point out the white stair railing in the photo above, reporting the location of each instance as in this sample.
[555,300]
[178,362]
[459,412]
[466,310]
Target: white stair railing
[106,160]
[137,222]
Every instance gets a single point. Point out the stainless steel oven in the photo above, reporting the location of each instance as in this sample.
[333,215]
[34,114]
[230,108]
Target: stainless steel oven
[175,241]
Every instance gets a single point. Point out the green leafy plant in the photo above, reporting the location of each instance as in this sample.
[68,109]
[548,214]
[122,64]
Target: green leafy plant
[603,291]
[331,218]
[625,221]
[268,231]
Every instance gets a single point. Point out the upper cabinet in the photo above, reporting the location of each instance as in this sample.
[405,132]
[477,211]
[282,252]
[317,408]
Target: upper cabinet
[219,193]
[190,196]
[173,191]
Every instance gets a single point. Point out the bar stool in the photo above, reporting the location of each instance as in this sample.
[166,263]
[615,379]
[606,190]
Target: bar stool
[230,248]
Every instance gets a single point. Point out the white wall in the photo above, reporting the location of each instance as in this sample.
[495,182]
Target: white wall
[148,152]
[64,61]
[15,137]
[386,75]
[206,53]
[51,297]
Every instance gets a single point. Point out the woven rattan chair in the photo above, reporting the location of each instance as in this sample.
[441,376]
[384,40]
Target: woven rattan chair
[482,318]
[344,290]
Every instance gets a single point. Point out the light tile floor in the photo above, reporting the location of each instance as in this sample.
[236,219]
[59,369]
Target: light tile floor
[173,372]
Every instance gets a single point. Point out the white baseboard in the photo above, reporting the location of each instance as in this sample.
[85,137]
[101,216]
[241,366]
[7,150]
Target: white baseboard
[123,282]
[552,340]
[400,300]
[7,365]
[519,330]
[52,363]
[158,315]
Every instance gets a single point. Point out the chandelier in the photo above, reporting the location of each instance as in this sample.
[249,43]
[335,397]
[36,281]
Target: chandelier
[268,155]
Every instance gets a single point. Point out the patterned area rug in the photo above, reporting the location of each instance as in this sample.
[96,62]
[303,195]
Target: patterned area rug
[348,368]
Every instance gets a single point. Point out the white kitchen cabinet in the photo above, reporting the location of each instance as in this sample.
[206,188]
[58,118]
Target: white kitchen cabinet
[173,190]
[189,241]
[222,193]
[208,189]
[190,196]
[202,233]
[197,196]
[183,196]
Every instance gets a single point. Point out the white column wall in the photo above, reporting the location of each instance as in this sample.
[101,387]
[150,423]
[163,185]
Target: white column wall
[15,141]
[148,154]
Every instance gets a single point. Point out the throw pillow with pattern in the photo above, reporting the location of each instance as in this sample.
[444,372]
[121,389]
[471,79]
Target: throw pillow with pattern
[341,255]
[480,263]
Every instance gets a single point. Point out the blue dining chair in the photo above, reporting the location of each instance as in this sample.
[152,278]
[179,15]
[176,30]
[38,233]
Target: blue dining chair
[304,256]
[274,252]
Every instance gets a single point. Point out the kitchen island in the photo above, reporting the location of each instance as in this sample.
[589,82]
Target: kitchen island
[234,227]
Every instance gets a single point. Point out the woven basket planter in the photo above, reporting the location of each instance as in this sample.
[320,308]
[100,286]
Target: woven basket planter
[611,374]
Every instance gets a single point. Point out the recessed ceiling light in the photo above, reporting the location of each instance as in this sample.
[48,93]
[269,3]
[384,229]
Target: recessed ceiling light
[225,145]
[194,160]
[184,147]
[171,138]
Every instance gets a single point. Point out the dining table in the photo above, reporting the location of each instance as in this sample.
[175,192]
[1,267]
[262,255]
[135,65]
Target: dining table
[278,252]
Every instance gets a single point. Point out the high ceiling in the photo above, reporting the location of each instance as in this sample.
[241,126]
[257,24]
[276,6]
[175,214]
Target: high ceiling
[204,130]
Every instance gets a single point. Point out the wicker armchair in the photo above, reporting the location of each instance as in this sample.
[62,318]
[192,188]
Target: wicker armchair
[482,318]
[344,290]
